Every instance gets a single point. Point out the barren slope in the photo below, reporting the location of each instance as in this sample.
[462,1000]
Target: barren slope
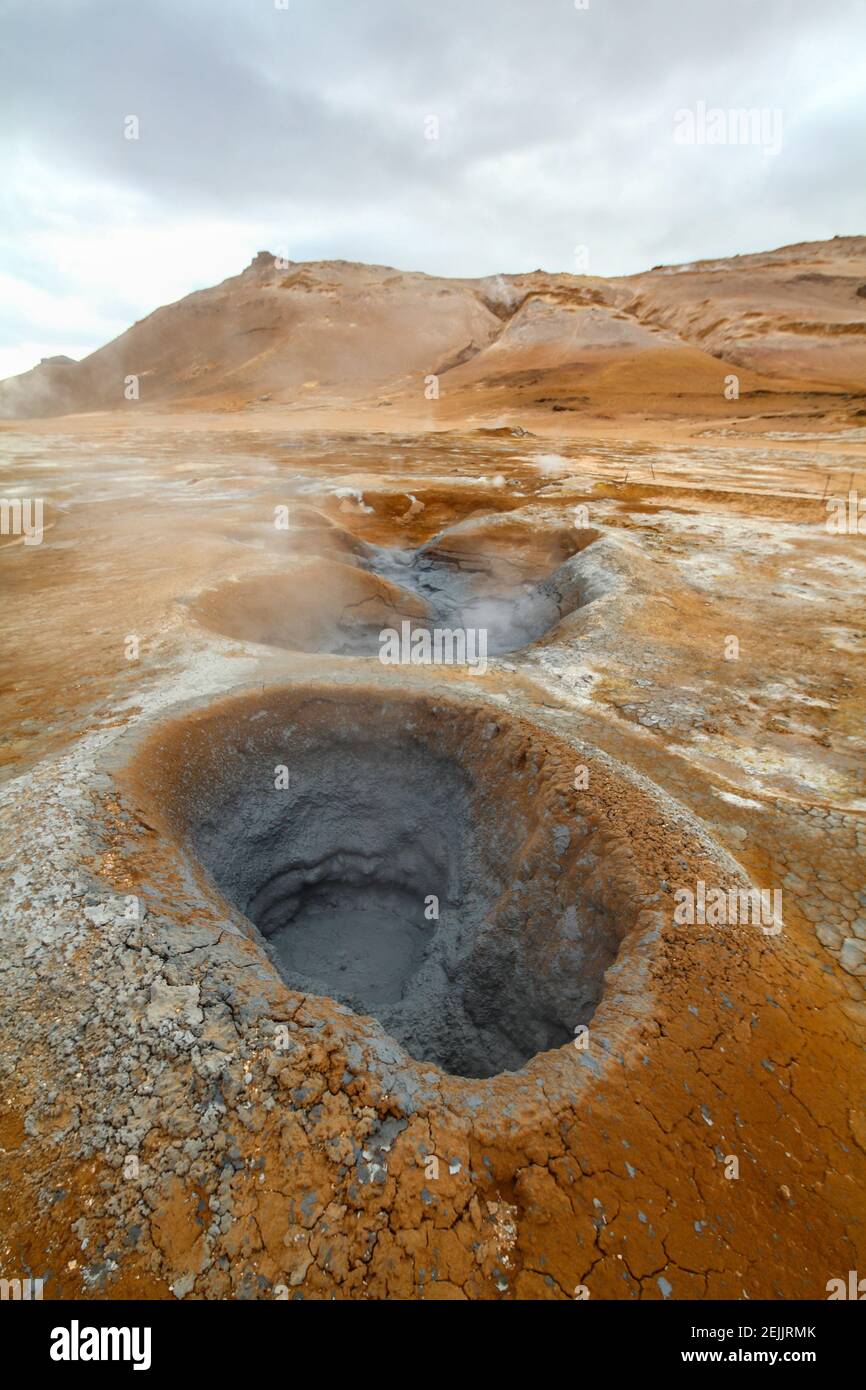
[791,324]
[799,312]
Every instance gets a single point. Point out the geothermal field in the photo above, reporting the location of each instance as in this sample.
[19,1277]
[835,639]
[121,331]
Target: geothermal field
[433,807]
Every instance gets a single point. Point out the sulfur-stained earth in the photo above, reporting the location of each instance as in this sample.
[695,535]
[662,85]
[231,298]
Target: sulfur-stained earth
[673,696]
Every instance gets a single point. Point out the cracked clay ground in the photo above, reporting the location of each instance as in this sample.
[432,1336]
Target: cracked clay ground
[175,1120]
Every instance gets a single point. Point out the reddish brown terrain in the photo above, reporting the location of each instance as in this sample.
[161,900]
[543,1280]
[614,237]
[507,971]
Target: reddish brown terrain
[331,336]
[559,1090]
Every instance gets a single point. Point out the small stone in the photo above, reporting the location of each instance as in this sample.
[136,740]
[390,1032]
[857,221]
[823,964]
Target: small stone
[852,957]
[179,1003]
[830,936]
[857,1123]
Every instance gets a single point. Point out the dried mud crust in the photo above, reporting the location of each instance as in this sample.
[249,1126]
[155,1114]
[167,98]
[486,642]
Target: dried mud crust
[174,1122]
[209,1132]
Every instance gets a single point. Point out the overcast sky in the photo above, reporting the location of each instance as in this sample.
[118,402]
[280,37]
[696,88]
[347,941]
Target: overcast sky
[304,130]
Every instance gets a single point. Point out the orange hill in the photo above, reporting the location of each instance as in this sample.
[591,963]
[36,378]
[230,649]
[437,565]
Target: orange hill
[337,334]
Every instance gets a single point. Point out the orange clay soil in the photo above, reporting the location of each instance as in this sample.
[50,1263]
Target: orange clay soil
[178,1120]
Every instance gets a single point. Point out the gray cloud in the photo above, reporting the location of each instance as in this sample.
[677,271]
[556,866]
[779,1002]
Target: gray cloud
[303,129]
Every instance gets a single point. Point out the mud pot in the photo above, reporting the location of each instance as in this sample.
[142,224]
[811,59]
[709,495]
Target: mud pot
[380,872]
[468,577]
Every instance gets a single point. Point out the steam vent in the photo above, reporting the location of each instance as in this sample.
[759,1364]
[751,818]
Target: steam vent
[433,830]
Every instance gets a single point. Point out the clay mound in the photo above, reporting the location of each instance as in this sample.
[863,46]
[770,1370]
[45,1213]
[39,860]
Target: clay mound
[559,328]
[310,532]
[500,549]
[413,515]
[317,606]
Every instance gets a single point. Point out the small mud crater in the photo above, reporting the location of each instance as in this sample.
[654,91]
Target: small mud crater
[339,594]
[361,840]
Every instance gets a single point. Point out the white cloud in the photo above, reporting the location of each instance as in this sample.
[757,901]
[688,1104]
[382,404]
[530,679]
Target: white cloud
[302,131]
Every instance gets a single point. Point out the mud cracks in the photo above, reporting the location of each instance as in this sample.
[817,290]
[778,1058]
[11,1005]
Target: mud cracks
[322,1084]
